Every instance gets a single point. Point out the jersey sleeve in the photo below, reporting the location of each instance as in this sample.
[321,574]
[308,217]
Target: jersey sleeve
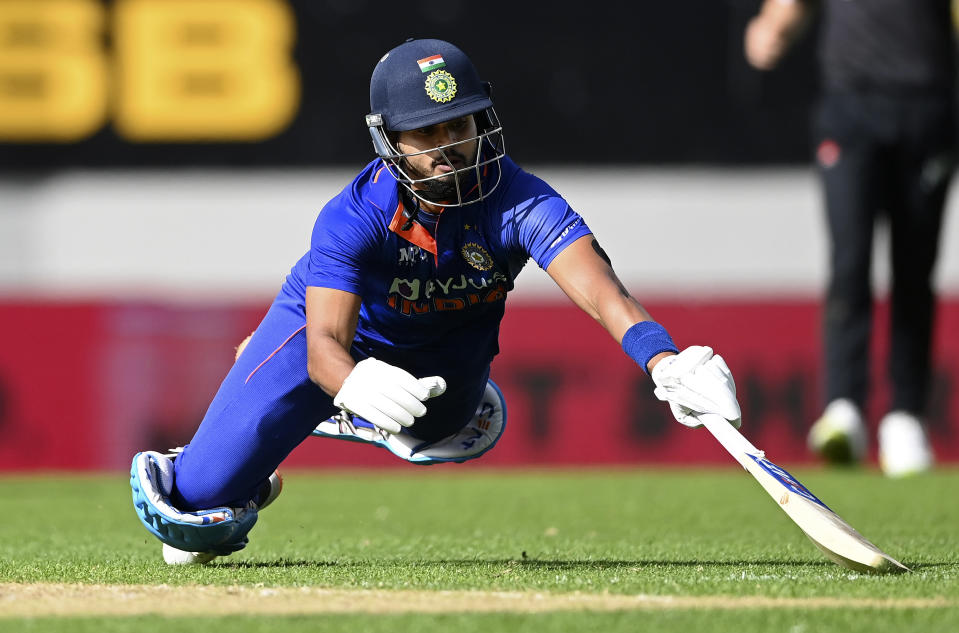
[541,221]
[342,241]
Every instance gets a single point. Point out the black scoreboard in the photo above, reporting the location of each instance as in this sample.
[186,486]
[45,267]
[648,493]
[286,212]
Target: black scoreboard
[285,82]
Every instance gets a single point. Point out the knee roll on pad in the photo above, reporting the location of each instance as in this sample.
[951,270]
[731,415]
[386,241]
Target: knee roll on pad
[220,530]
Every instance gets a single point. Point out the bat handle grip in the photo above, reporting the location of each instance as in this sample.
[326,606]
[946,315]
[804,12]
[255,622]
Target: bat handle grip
[727,435]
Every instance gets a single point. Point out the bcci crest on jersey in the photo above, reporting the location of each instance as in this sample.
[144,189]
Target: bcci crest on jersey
[476,256]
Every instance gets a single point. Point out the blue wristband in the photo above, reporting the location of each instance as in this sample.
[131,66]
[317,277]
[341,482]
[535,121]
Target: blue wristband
[646,339]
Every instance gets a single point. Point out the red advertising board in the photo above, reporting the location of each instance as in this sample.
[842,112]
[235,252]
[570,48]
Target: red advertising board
[84,385]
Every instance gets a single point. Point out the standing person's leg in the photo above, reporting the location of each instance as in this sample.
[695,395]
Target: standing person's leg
[924,170]
[849,161]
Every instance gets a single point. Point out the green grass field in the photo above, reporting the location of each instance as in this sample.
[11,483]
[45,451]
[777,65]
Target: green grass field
[447,547]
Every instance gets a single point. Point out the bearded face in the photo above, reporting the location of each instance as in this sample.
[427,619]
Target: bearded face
[442,187]
[440,171]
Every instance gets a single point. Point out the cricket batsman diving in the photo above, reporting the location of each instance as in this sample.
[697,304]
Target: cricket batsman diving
[385,329]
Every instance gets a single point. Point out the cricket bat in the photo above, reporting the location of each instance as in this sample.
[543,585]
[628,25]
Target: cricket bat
[838,540]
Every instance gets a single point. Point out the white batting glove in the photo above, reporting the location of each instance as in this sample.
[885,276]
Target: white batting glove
[697,381]
[386,396]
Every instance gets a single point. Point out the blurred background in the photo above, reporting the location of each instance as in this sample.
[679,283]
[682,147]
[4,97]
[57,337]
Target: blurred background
[162,163]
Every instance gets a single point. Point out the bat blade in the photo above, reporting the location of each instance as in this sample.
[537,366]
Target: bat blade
[838,540]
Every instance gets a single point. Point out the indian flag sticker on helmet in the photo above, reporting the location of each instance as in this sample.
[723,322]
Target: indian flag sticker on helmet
[433,62]
[440,86]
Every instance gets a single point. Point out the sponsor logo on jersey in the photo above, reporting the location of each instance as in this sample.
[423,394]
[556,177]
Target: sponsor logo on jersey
[476,256]
[566,231]
[417,296]
[415,289]
[440,86]
[828,153]
[409,255]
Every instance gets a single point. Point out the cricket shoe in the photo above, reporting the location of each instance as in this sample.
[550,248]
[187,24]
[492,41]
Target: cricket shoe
[174,556]
[903,446]
[839,435]
[266,495]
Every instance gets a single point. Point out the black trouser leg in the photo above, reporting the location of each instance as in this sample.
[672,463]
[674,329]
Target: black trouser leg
[851,200]
[924,169]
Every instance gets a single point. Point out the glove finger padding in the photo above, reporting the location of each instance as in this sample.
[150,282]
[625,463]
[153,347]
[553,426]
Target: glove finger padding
[697,381]
[397,398]
[391,376]
[396,408]
[386,396]
[435,386]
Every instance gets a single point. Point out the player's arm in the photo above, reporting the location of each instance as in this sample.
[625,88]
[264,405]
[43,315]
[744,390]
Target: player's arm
[693,381]
[331,317]
[774,30]
[384,395]
[583,271]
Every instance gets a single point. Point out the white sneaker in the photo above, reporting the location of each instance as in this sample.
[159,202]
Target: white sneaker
[903,446]
[839,435]
[267,494]
[174,556]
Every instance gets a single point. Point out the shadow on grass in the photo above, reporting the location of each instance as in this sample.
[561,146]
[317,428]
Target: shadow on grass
[279,563]
[529,563]
[918,566]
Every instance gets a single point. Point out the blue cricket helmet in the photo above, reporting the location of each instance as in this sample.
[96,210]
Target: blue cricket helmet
[424,82]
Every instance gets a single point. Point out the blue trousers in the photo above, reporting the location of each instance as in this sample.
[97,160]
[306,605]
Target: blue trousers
[267,405]
[264,408]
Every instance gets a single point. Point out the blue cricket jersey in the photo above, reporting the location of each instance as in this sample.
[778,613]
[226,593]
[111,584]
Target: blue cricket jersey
[433,291]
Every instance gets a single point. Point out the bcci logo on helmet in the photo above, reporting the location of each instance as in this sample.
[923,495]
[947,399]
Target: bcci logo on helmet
[440,86]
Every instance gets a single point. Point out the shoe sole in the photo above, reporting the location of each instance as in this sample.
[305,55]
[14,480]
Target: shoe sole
[174,556]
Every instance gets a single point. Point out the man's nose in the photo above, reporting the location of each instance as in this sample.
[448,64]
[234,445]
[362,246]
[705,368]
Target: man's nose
[445,136]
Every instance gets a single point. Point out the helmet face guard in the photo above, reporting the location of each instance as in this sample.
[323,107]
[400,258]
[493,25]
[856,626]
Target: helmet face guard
[470,183]
[421,83]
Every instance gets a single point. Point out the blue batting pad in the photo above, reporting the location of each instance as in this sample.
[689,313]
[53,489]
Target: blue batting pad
[219,530]
[477,437]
